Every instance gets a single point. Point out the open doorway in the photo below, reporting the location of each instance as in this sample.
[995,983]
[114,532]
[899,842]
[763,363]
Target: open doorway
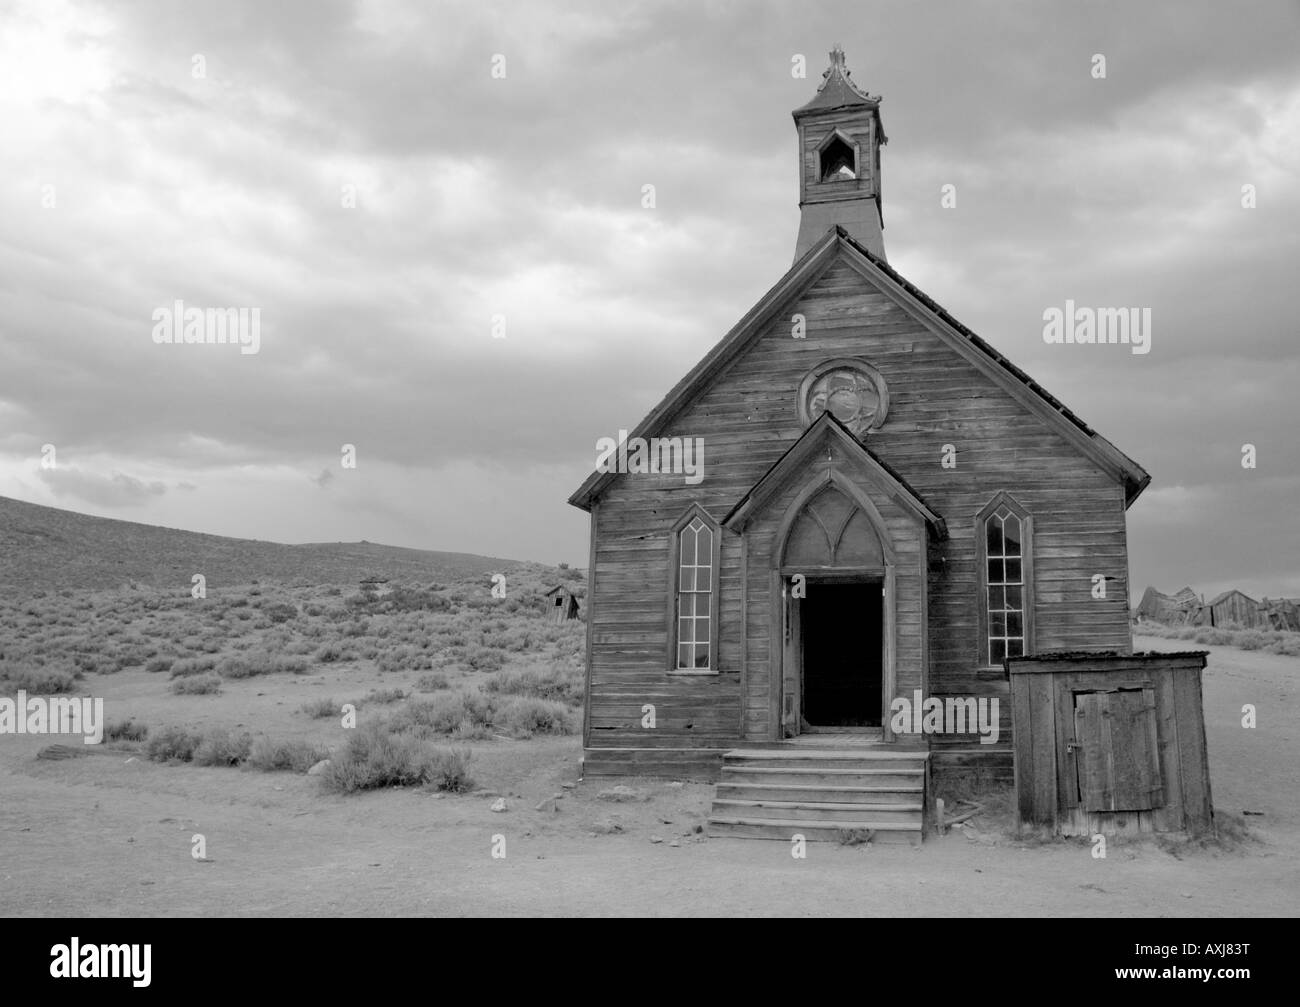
[841,626]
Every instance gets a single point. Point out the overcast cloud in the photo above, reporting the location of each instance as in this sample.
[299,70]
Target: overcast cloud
[130,183]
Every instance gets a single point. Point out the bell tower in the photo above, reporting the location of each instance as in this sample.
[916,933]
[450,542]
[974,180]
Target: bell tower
[840,136]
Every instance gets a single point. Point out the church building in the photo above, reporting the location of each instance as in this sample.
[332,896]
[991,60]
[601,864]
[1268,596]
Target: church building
[886,508]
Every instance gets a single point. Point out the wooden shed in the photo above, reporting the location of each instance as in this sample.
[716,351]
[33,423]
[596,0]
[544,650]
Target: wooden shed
[1235,608]
[1110,743]
[564,604]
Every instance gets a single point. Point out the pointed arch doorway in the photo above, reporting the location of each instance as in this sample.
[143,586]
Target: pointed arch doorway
[835,563]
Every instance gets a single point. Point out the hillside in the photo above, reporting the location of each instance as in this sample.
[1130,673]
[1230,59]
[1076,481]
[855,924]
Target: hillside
[48,548]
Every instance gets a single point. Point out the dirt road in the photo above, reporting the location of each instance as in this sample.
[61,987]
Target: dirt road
[102,835]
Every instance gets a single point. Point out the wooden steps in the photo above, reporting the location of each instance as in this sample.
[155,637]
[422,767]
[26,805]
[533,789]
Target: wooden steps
[821,794]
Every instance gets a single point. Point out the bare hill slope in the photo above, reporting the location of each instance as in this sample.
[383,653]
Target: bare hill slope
[48,548]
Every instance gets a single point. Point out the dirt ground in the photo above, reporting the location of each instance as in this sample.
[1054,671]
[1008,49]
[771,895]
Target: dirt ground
[110,834]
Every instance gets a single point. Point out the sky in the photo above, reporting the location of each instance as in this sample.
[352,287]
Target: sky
[437,210]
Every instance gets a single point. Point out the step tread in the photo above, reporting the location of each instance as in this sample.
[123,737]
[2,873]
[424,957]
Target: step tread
[863,754]
[783,823]
[890,810]
[814,770]
[827,788]
[816,805]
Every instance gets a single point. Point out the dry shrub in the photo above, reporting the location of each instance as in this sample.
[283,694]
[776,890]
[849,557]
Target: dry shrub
[377,757]
[197,685]
[172,744]
[192,666]
[126,730]
[525,716]
[221,748]
[557,683]
[318,709]
[270,755]
[261,663]
[41,681]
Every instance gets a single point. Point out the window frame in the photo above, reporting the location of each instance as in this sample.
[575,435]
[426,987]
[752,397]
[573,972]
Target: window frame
[1000,500]
[674,589]
[854,145]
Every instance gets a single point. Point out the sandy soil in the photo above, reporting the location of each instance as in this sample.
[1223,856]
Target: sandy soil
[109,834]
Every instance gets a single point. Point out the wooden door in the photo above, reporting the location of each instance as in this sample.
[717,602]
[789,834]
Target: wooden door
[1117,750]
[791,663]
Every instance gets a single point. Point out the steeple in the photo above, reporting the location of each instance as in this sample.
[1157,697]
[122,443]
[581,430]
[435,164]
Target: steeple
[840,136]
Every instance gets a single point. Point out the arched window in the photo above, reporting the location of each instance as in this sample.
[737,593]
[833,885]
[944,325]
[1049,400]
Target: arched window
[696,547]
[1004,537]
[838,161]
[832,531]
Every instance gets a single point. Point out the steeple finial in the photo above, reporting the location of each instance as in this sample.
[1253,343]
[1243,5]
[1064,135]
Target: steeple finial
[837,87]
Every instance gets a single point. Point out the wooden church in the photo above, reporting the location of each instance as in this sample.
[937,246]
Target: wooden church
[889,508]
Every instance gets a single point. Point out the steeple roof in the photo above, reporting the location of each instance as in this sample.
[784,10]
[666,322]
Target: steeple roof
[837,89]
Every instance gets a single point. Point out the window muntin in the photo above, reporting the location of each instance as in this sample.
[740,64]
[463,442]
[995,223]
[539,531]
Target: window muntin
[695,586]
[1005,584]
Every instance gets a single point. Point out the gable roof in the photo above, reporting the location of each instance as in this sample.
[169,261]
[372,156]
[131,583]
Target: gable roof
[838,243]
[1225,595]
[798,454]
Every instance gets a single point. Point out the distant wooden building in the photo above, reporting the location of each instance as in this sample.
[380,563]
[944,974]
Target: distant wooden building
[563,604]
[1234,608]
[885,504]
[1171,610]
[1281,614]
[1230,609]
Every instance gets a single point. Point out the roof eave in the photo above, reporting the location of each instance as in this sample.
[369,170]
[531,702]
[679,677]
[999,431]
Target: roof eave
[1106,453]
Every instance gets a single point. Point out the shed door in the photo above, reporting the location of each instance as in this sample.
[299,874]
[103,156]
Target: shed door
[1119,761]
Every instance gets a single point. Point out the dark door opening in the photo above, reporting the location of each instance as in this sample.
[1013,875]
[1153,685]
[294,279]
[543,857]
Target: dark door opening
[842,638]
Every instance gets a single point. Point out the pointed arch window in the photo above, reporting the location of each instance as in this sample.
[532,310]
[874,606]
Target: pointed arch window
[1004,543]
[838,161]
[696,549]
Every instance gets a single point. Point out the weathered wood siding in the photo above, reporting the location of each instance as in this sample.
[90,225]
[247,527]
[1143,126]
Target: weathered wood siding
[1232,608]
[747,418]
[860,129]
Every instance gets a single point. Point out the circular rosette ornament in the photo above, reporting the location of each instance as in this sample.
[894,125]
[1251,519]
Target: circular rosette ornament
[851,390]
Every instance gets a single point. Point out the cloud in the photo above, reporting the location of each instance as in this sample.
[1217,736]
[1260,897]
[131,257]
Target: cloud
[114,490]
[478,196]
